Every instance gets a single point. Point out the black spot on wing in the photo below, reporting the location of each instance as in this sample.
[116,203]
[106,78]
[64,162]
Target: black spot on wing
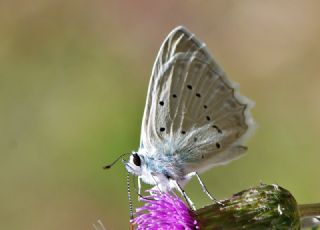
[217,128]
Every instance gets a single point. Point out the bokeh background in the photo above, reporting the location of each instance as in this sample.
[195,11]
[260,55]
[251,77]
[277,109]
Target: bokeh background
[73,82]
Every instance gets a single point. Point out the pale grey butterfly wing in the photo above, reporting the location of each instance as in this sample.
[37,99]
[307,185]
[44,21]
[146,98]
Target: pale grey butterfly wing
[193,111]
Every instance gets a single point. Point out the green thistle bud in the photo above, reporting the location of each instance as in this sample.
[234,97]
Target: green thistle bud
[261,207]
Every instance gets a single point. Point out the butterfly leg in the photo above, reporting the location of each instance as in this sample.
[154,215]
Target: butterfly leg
[139,185]
[183,193]
[204,188]
[139,188]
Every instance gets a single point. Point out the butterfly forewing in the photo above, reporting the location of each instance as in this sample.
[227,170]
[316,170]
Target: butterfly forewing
[192,106]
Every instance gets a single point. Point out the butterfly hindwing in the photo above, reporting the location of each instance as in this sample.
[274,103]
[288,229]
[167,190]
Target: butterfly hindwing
[192,106]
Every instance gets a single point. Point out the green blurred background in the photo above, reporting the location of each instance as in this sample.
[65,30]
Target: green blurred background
[73,82]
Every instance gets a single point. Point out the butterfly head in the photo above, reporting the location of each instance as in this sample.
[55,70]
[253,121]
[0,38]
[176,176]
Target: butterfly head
[135,163]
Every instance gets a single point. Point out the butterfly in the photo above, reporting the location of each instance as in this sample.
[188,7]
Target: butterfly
[194,118]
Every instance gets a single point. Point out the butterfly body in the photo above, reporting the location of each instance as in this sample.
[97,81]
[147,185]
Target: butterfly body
[194,117]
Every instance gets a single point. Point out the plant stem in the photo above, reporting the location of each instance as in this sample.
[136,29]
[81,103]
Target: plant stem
[307,210]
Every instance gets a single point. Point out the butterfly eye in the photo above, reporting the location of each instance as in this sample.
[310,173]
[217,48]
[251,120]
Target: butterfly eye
[136,159]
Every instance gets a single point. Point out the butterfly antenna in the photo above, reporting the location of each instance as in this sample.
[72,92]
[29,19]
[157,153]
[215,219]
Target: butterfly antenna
[116,160]
[129,196]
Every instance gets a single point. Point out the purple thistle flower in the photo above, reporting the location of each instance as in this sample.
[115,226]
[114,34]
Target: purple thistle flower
[164,211]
